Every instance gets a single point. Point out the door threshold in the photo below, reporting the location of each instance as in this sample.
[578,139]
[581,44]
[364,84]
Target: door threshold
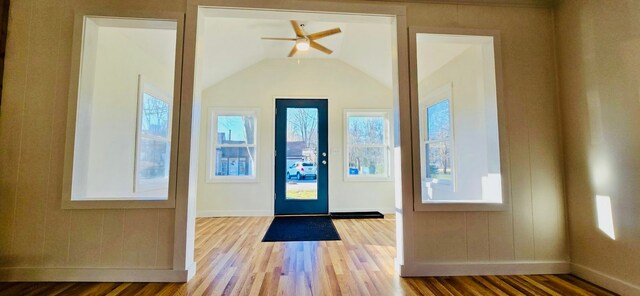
[301,215]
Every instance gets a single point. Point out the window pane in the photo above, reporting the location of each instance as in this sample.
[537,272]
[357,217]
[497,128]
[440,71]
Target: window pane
[236,129]
[366,130]
[439,121]
[438,160]
[234,161]
[367,161]
[155,116]
[154,159]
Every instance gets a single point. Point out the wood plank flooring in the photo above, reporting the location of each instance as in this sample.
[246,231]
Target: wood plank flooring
[231,260]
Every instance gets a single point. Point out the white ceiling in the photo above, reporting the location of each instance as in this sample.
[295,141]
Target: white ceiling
[432,56]
[436,50]
[230,41]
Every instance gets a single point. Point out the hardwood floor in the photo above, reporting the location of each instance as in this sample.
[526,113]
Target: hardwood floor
[231,260]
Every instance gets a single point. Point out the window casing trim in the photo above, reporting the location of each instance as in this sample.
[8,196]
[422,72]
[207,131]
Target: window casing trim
[388,136]
[110,202]
[212,144]
[463,205]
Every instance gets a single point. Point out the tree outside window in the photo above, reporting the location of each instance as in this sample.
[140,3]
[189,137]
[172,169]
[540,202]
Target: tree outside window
[367,144]
[232,155]
[437,142]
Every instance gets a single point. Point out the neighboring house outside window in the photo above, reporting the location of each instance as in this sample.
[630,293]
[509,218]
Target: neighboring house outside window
[232,149]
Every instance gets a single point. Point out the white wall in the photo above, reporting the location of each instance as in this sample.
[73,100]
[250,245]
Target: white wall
[476,158]
[256,87]
[598,46]
[108,109]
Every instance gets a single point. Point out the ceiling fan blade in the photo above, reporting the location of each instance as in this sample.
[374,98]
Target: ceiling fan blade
[316,36]
[296,28]
[319,47]
[293,51]
[276,38]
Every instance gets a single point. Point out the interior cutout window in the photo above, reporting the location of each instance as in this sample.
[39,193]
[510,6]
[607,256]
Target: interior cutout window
[367,145]
[458,113]
[123,109]
[232,150]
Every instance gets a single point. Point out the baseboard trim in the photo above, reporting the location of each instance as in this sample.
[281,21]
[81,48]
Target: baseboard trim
[606,281]
[484,268]
[191,271]
[385,211]
[241,213]
[93,275]
[201,214]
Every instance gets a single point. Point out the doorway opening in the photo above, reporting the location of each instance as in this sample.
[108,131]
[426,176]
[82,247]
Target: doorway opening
[338,157]
[347,83]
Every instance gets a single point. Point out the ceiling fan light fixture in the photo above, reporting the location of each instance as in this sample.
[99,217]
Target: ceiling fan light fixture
[305,41]
[302,44]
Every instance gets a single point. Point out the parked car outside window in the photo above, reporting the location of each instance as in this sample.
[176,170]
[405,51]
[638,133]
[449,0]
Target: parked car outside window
[302,170]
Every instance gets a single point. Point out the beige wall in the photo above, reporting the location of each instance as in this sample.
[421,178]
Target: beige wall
[532,228]
[345,88]
[598,46]
[34,231]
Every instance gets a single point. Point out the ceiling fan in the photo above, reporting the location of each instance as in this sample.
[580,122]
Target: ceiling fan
[304,41]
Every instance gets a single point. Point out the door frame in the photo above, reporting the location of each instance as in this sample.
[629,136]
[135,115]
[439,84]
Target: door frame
[188,140]
[273,161]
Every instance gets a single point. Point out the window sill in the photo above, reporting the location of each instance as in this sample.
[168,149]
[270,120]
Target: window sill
[106,203]
[458,206]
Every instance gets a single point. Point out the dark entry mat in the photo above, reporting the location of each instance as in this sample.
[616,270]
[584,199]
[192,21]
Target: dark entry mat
[301,228]
[357,215]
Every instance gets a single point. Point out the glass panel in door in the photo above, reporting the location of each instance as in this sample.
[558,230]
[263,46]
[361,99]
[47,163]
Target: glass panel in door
[302,153]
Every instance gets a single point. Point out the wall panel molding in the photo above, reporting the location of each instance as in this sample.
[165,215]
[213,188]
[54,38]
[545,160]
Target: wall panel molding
[4,21]
[484,268]
[94,275]
[517,3]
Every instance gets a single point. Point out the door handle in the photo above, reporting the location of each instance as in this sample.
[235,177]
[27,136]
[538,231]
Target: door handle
[324,162]
[324,154]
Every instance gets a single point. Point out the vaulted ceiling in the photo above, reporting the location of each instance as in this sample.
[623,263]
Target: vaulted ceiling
[230,41]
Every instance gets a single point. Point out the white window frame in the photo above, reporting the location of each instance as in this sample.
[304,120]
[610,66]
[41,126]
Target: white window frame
[214,113]
[146,87]
[386,113]
[437,96]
